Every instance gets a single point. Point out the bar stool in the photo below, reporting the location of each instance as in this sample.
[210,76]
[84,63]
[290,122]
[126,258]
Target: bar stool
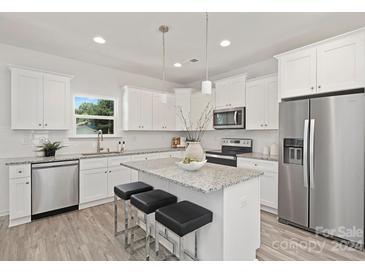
[182,218]
[147,203]
[124,192]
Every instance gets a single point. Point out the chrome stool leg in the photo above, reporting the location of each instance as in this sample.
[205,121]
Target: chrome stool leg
[157,246]
[126,220]
[134,225]
[115,216]
[181,248]
[147,237]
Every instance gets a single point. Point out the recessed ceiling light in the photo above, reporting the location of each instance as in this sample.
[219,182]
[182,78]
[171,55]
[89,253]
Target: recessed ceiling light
[225,43]
[177,65]
[99,40]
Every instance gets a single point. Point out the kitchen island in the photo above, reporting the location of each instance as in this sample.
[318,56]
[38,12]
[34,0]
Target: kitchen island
[232,194]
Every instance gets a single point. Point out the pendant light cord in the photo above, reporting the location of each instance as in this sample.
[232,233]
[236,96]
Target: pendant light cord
[163,57]
[206,46]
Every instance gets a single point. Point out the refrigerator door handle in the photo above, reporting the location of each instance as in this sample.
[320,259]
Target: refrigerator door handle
[311,153]
[305,153]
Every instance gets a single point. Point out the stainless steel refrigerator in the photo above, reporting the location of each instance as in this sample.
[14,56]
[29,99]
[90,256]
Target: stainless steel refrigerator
[321,165]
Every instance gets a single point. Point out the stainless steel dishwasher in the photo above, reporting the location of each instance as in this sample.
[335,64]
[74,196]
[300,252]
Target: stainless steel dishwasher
[55,188]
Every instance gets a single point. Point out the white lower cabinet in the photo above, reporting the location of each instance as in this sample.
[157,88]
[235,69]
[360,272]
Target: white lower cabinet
[93,185]
[268,181]
[19,195]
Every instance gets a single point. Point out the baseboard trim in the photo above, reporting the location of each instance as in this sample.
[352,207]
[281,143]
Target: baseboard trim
[20,221]
[95,203]
[4,213]
[269,209]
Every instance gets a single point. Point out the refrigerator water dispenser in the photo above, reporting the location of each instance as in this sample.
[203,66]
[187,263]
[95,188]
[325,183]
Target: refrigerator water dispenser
[293,151]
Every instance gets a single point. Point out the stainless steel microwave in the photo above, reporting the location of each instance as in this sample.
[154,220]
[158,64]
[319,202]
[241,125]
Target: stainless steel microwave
[229,118]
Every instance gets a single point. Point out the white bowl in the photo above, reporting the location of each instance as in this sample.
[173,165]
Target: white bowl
[192,166]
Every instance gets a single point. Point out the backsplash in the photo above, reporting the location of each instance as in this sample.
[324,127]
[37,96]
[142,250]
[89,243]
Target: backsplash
[261,138]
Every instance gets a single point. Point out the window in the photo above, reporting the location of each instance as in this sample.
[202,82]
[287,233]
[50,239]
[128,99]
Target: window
[93,114]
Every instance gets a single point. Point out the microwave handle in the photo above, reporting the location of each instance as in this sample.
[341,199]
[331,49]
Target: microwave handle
[235,117]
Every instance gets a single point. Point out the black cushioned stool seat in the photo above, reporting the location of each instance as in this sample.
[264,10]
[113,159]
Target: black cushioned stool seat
[183,217]
[126,190]
[149,201]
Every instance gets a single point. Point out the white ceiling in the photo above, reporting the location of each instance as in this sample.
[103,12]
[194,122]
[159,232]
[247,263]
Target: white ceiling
[134,42]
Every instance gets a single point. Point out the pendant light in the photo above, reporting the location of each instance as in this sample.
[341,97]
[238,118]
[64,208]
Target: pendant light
[206,84]
[163,29]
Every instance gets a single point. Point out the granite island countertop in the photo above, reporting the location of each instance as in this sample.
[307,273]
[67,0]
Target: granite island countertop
[79,156]
[211,177]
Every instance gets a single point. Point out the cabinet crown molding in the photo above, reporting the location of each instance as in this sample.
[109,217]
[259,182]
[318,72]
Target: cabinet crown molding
[353,32]
[126,87]
[234,78]
[13,67]
[262,77]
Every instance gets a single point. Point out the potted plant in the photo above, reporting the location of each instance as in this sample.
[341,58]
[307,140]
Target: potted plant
[50,148]
[196,132]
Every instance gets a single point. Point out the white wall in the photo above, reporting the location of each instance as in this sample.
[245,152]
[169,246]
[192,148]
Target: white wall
[89,79]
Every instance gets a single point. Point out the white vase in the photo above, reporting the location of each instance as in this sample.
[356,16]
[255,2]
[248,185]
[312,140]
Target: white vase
[195,151]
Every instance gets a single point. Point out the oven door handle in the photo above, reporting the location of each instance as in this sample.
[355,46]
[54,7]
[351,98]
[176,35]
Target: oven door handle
[220,156]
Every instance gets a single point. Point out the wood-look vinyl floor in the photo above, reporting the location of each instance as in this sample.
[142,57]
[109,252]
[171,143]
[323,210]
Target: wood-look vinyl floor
[89,235]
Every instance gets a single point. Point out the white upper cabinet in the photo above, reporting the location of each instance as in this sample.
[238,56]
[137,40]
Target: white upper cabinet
[298,73]
[137,109]
[262,108]
[332,65]
[198,104]
[56,98]
[230,92]
[182,103]
[272,105]
[39,100]
[26,99]
[340,64]
[164,112]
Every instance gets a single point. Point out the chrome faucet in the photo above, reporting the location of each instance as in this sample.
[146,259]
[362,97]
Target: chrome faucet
[99,139]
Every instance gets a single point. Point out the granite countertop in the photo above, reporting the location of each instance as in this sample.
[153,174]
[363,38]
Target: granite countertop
[258,156]
[209,178]
[65,157]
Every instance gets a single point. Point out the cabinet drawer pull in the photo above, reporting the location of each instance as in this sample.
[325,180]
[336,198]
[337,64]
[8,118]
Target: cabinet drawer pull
[20,171]
[27,183]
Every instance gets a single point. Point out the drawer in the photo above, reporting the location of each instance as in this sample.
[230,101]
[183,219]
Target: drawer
[19,171]
[115,161]
[93,163]
[263,165]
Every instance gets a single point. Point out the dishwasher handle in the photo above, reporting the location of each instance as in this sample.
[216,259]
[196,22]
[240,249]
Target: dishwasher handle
[55,164]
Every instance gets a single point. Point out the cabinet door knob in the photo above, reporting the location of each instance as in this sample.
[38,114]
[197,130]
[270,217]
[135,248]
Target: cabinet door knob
[45,125]
[312,88]
[27,183]
[19,171]
[110,171]
[40,125]
[106,172]
[319,86]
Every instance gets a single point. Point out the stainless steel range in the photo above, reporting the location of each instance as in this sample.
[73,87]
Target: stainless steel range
[228,153]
